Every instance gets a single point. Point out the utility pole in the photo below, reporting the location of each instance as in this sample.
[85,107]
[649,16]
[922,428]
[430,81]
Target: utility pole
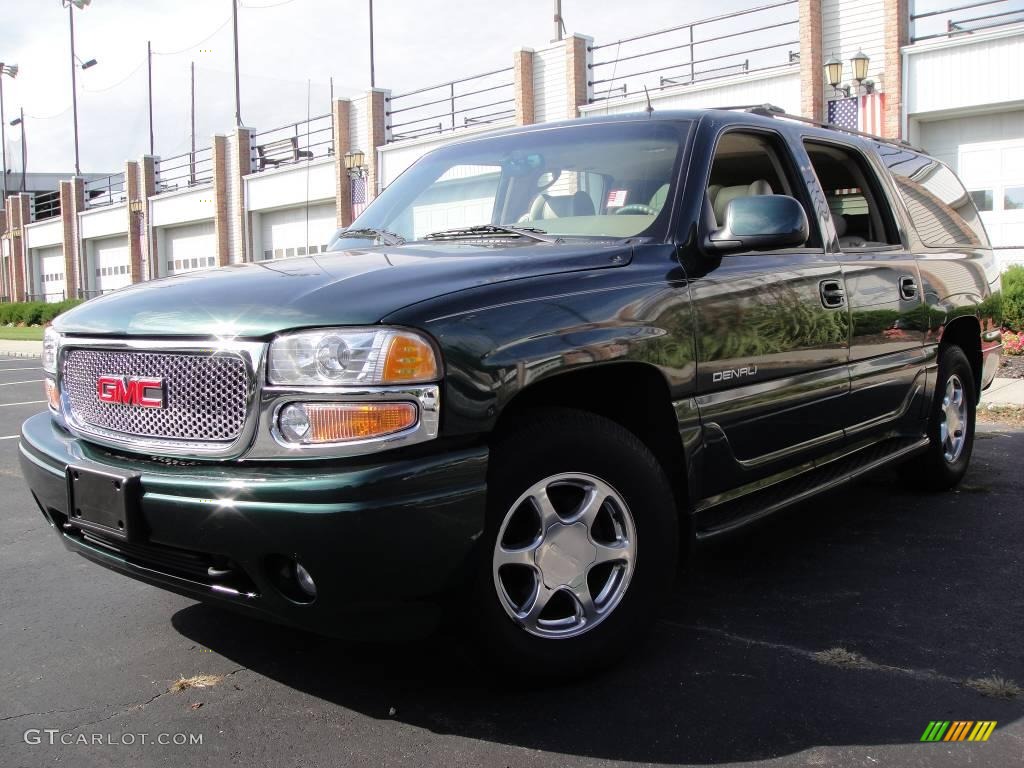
[74,86]
[149,90]
[559,26]
[24,151]
[373,82]
[3,137]
[238,96]
[192,113]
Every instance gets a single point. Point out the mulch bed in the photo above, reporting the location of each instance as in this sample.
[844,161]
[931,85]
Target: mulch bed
[1012,367]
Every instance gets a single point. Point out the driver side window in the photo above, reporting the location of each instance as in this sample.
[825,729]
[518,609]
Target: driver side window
[744,164]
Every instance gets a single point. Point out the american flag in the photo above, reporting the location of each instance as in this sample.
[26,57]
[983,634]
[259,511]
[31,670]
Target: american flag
[859,113]
[357,189]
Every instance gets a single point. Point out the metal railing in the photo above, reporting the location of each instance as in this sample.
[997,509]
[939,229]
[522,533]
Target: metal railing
[44,205]
[293,143]
[183,171]
[106,190]
[57,295]
[475,100]
[953,21]
[92,294]
[744,42]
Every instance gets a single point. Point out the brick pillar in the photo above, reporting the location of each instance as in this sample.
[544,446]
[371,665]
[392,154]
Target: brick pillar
[77,253]
[896,19]
[133,191]
[17,207]
[522,68]
[69,246]
[221,218]
[341,112]
[376,106]
[4,281]
[147,188]
[577,72]
[239,166]
[812,62]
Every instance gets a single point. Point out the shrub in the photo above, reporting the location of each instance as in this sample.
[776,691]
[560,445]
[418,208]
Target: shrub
[1013,343]
[1013,298]
[34,312]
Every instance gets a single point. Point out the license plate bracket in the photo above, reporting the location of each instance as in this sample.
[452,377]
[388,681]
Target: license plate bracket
[104,500]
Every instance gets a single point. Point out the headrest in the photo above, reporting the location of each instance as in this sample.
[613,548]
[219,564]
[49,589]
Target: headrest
[839,222]
[728,194]
[658,198]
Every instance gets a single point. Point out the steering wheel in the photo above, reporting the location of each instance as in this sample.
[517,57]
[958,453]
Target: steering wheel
[635,208]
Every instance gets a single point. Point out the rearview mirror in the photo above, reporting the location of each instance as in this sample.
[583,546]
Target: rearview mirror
[760,223]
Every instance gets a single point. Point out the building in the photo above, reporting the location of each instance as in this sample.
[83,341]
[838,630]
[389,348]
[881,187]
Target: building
[947,80]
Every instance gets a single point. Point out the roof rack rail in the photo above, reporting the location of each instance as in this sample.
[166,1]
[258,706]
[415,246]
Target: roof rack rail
[771,110]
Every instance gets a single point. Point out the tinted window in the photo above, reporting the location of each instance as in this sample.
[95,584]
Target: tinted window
[982,199]
[942,211]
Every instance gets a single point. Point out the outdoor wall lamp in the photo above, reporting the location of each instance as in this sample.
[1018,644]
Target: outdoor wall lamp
[859,64]
[355,164]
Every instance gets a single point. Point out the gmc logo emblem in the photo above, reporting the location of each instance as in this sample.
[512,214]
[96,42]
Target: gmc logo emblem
[131,390]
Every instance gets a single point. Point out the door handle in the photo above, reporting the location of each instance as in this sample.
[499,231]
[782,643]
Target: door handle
[908,288]
[832,294]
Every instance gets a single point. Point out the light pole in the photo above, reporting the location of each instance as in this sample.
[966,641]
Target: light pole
[238,93]
[71,5]
[372,80]
[20,120]
[11,70]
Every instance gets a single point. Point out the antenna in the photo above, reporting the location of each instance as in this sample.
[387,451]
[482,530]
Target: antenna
[649,108]
[309,88]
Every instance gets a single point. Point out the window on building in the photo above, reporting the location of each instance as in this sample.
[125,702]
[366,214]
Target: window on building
[1013,198]
[982,199]
[942,211]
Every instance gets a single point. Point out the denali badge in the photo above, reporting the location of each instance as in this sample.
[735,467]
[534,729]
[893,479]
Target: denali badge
[734,373]
[131,390]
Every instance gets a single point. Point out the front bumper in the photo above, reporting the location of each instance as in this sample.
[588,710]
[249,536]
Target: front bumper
[375,536]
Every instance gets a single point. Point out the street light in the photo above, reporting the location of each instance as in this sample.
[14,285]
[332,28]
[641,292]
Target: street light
[71,5]
[11,70]
[859,64]
[20,120]
[355,164]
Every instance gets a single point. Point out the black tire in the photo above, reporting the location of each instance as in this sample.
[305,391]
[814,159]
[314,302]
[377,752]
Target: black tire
[548,443]
[933,470]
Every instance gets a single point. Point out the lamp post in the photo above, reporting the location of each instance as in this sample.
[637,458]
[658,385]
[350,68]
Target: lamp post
[11,70]
[75,61]
[20,120]
[355,164]
[859,66]
[372,80]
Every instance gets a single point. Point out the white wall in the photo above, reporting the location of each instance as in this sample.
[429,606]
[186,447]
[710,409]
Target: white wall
[395,158]
[170,208]
[103,222]
[291,185]
[359,125]
[849,26]
[779,87]
[966,72]
[550,86]
[41,234]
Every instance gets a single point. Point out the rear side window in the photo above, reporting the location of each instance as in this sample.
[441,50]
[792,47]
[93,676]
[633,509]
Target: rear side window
[943,212]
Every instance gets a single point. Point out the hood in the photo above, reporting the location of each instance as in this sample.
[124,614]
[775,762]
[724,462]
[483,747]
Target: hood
[355,287]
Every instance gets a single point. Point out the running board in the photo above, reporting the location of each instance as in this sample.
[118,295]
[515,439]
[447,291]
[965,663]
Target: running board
[734,514]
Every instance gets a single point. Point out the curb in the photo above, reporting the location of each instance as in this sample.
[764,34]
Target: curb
[17,355]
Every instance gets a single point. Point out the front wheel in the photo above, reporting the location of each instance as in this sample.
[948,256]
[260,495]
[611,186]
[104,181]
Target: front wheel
[580,544]
[950,425]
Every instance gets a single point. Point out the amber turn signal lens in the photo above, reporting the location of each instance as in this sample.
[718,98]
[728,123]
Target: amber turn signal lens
[52,394]
[316,423]
[409,358]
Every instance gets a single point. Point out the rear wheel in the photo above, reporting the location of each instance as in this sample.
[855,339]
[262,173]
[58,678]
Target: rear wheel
[950,425]
[580,544]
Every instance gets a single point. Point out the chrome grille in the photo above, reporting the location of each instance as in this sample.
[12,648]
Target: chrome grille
[205,395]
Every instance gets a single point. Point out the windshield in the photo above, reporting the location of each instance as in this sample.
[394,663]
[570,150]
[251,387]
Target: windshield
[601,180]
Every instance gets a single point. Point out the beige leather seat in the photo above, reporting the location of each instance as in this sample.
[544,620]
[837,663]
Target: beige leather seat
[720,196]
[558,206]
[846,241]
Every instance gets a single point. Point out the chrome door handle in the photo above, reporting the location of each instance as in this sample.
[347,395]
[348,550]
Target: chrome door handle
[832,294]
[908,288]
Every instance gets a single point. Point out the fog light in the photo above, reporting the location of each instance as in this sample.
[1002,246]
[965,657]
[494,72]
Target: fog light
[317,423]
[305,581]
[52,394]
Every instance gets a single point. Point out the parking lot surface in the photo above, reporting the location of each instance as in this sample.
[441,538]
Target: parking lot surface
[830,635]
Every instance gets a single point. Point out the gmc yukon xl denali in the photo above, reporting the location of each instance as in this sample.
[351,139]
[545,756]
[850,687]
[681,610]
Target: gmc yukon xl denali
[539,368]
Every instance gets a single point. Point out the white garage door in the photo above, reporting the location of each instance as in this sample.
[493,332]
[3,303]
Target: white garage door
[190,247]
[48,266]
[285,233]
[987,152]
[111,263]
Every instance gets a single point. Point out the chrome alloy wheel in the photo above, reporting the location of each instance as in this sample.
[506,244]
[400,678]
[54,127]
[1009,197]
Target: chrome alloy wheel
[953,419]
[564,555]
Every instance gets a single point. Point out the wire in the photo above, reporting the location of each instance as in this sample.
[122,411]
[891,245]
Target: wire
[262,7]
[50,117]
[194,45]
[139,66]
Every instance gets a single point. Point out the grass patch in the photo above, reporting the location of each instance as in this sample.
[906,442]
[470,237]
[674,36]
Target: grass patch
[994,687]
[1001,414]
[22,334]
[196,681]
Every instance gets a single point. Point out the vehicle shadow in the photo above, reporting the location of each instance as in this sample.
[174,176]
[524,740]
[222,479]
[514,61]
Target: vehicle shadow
[925,588]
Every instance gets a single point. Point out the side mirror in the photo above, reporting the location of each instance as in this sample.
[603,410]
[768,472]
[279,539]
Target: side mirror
[760,223]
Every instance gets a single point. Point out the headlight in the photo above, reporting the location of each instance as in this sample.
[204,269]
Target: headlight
[352,356]
[51,344]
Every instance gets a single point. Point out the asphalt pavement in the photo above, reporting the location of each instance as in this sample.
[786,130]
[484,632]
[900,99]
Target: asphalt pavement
[919,593]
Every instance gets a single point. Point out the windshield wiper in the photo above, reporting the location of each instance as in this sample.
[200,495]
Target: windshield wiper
[375,233]
[493,229]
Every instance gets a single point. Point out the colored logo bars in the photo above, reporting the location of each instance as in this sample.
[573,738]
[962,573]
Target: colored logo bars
[958,730]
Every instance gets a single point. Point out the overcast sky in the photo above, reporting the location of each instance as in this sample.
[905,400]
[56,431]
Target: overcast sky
[283,44]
